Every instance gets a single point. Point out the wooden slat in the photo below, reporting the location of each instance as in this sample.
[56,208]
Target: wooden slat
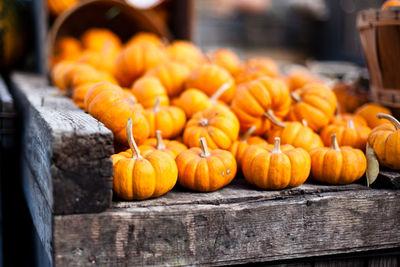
[66,149]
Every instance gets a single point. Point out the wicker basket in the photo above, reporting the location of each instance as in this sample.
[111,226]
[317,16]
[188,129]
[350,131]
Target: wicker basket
[380,39]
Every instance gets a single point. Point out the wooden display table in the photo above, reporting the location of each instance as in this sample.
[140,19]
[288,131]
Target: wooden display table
[67,183]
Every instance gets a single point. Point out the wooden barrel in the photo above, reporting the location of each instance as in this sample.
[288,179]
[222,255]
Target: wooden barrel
[380,40]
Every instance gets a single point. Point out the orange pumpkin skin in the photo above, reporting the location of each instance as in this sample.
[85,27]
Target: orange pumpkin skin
[58,72]
[226,59]
[219,128]
[256,99]
[336,165]
[209,78]
[346,135]
[101,40]
[145,38]
[141,177]
[186,53]
[297,135]
[349,97]
[79,93]
[147,90]
[108,103]
[88,74]
[205,171]
[390,3]
[66,48]
[300,78]
[100,61]
[315,103]
[135,60]
[342,119]
[369,111]
[192,101]
[172,76]
[277,169]
[255,68]
[385,140]
[172,147]
[170,120]
[56,7]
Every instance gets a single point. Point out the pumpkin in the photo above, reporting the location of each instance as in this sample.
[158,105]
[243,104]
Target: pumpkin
[172,76]
[336,165]
[342,119]
[255,68]
[142,177]
[346,135]
[66,48]
[385,141]
[226,59]
[186,53]
[300,78]
[219,128]
[172,147]
[101,40]
[79,93]
[100,61]
[369,111]
[58,72]
[135,60]
[260,101]
[202,170]
[314,103]
[390,3]
[84,74]
[145,38]
[349,96]
[295,134]
[108,103]
[209,78]
[56,7]
[192,101]
[277,169]
[170,120]
[147,90]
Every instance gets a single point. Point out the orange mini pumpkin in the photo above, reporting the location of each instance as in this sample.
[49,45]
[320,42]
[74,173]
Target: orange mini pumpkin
[260,101]
[145,38]
[314,103]
[170,120]
[336,165]
[368,112]
[341,119]
[79,93]
[277,169]
[255,68]
[186,53]
[219,128]
[172,147]
[226,59]
[192,101]
[58,72]
[66,48]
[385,141]
[147,90]
[203,170]
[390,3]
[142,177]
[101,40]
[300,78]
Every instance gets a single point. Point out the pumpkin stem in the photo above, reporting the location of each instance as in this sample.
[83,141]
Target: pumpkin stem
[248,133]
[160,143]
[156,107]
[219,92]
[277,146]
[350,124]
[204,148]
[337,110]
[203,122]
[334,143]
[304,122]
[390,118]
[295,96]
[270,115]
[131,140]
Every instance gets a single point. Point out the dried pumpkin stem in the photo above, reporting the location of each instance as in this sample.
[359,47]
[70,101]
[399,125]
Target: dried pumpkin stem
[131,140]
[203,122]
[277,145]
[248,133]
[160,143]
[219,92]
[334,143]
[350,124]
[156,107]
[295,96]
[304,122]
[271,116]
[204,148]
[392,119]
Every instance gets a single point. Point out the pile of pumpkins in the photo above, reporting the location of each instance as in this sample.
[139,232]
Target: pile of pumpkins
[181,112]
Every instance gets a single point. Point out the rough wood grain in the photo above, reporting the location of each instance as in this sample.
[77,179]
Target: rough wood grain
[66,149]
[231,233]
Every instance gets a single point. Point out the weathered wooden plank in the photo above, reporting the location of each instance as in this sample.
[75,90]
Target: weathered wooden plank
[231,233]
[7,117]
[67,150]
[388,179]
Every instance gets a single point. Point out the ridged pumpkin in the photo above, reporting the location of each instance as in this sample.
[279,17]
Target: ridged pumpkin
[255,68]
[147,90]
[219,129]
[145,38]
[101,61]
[192,101]
[170,120]
[135,60]
[226,59]
[276,169]
[66,48]
[172,147]
[314,103]
[390,3]
[57,74]
[385,140]
[346,135]
[203,170]
[108,103]
[141,177]
[336,165]
[300,78]
[101,40]
[349,96]
[369,111]
[186,53]
[209,78]
[172,76]
[341,119]
[260,101]
[79,93]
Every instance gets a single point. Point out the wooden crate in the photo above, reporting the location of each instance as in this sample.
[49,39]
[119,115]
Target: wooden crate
[67,184]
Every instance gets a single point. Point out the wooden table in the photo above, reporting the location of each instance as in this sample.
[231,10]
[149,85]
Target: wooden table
[67,183]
